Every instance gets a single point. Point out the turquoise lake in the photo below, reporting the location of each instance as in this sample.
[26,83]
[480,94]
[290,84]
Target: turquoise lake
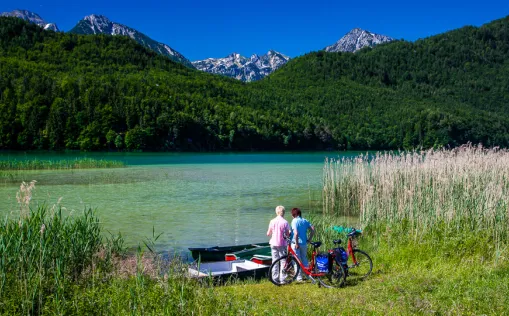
[191,199]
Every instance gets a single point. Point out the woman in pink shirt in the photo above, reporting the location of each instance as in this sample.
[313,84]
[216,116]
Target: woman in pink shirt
[278,230]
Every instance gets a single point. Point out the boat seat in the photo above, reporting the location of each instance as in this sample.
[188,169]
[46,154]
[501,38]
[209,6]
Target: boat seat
[262,257]
[316,244]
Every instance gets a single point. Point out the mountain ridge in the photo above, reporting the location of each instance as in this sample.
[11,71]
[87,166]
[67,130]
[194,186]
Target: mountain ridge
[31,17]
[100,24]
[356,39]
[87,92]
[242,68]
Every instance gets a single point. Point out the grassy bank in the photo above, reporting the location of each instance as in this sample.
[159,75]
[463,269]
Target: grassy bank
[36,164]
[434,222]
[56,265]
[408,278]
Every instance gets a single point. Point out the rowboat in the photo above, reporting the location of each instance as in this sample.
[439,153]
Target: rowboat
[260,252]
[224,270]
[218,253]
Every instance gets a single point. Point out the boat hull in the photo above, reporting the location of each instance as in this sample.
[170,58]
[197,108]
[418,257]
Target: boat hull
[218,253]
[227,270]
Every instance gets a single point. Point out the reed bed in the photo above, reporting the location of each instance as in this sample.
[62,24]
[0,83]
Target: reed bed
[35,164]
[465,189]
[42,252]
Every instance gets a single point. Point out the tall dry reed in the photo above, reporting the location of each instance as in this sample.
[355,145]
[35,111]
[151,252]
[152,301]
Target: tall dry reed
[465,189]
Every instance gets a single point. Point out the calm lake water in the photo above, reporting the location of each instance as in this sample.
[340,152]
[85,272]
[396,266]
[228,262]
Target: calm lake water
[190,199]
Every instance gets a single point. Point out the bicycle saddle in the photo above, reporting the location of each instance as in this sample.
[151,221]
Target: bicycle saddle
[337,241]
[316,244]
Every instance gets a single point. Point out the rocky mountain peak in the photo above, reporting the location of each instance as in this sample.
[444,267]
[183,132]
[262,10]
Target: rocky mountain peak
[355,30]
[97,17]
[100,24]
[235,56]
[356,39]
[32,18]
[242,68]
[51,27]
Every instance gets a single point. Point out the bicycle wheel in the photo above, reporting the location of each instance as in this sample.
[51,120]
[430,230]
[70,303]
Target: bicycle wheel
[335,277]
[284,270]
[362,269]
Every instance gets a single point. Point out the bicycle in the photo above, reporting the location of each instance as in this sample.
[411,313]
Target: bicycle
[334,276]
[359,264]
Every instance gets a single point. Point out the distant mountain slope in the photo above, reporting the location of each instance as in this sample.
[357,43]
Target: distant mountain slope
[447,89]
[242,68]
[99,24]
[31,17]
[357,39]
[99,92]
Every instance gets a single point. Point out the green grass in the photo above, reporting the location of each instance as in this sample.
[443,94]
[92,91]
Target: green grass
[35,164]
[444,275]
[407,279]
[440,274]
[441,288]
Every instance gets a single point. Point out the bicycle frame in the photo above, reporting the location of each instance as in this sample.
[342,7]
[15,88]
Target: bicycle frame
[350,249]
[307,270]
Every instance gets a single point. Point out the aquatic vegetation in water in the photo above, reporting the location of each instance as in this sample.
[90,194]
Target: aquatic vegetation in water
[83,163]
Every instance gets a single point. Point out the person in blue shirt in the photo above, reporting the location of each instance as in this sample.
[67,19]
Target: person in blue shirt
[300,227]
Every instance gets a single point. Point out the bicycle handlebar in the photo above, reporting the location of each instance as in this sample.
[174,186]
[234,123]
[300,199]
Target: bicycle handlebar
[354,232]
[289,240]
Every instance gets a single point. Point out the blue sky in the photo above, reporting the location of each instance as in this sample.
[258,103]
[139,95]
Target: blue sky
[202,29]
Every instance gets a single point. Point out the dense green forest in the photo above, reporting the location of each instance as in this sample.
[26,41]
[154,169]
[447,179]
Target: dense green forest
[98,92]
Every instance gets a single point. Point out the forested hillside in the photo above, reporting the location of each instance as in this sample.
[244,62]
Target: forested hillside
[97,92]
[447,89]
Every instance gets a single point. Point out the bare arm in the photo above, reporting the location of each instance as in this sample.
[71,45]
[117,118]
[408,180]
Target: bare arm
[296,235]
[269,231]
[288,231]
[312,233]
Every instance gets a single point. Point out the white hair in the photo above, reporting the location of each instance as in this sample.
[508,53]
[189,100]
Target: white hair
[280,210]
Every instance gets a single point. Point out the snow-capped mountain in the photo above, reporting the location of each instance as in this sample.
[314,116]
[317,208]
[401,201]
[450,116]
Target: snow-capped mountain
[31,17]
[242,68]
[99,24]
[357,39]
